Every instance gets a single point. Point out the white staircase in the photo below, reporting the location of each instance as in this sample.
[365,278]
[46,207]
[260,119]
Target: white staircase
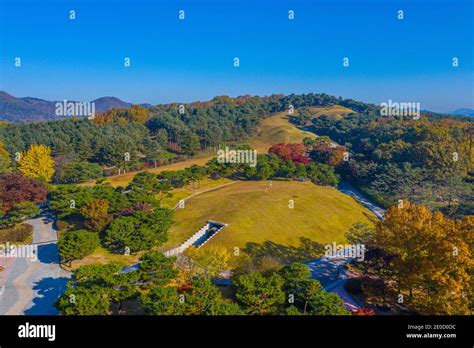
[189,242]
[194,238]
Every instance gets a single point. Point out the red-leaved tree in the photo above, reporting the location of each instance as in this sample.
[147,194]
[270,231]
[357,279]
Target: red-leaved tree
[291,152]
[15,188]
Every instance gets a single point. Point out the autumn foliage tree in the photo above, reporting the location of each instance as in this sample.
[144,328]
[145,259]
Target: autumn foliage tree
[96,215]
[15,188]
[37,163]
[431,258]
[290,152]
[327,153]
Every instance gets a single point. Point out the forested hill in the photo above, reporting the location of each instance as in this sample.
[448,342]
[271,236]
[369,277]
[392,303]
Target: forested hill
[391,156]
[28,109]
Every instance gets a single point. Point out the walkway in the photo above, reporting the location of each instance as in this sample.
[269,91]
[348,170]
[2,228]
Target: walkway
[32,284]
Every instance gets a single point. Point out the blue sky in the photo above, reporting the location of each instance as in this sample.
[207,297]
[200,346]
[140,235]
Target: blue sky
[171,60]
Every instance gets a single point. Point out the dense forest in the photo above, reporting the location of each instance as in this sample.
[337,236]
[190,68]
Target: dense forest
[427,162]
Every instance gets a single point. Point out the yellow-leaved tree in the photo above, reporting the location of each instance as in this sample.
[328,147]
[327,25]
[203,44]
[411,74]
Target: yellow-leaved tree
[37,163]
[432,258]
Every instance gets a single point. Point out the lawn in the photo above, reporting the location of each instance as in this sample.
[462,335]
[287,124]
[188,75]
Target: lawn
[257,212]
[277,129]
[335,111]
[102,256]
[188,190]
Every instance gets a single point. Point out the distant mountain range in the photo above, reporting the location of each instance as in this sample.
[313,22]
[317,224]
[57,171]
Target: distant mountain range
[28,109]
[463,112]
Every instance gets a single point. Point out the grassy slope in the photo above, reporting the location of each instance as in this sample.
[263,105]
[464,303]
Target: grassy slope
[257,213]
[336,111]
[102,256]
[276,129]
[188,190]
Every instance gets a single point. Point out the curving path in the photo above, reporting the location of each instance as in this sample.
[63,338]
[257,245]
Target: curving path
[332,274]
[347,189]
[31,285]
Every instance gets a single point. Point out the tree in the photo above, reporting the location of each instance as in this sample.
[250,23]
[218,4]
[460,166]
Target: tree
[140,231]
[308,294]
[157,269]
[431,258]
[196,174]
[22,211]
[137,113]
[322,174]
[95,287]
[37,163]
[119,152]
[190,144]
[5,162]
[95,213]
[162,301]
[15,188]
[327,153]
[296,278]
[300,171]
[77,172]
[152,150]
[164,188]
[209,263]
[264,170]
[290,152]
[145,183]
[204,298]
[325,303]
[360,233]
[259,294]
[75,245]
[94,300]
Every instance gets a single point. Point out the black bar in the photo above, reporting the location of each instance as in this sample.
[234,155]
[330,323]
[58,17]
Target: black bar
[261,330]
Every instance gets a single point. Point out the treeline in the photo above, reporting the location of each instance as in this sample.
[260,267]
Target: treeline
[160,287]
[268,166]
[181,128]
[428,162]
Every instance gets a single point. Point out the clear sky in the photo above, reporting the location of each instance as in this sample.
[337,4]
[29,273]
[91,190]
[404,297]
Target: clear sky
[407,60]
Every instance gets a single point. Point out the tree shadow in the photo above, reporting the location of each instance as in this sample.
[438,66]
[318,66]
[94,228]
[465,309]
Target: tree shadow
[305,251]
[47,216]
[48,253]
[48,291]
